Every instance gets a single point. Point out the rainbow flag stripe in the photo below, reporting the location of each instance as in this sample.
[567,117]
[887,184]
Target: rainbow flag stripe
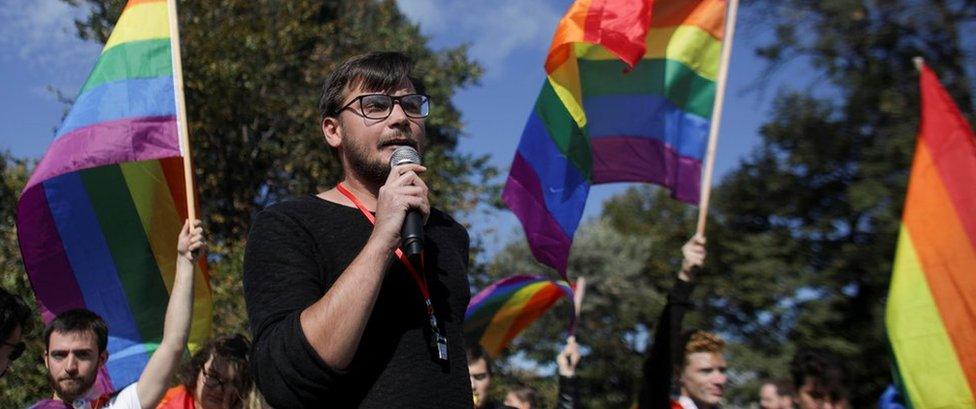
[931,308]
[100,216]
[628,98]
[497,314]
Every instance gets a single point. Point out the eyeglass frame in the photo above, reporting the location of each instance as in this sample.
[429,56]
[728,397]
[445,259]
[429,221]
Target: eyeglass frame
[394,100]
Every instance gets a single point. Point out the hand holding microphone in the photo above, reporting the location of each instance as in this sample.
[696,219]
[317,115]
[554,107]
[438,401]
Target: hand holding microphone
[412,232]
[402,203]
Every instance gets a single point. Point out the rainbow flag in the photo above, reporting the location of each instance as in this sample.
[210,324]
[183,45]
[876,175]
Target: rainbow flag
[931,309]
[628,98]
[100,216]
[502,310]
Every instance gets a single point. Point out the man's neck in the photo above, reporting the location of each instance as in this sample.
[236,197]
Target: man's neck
[365,192]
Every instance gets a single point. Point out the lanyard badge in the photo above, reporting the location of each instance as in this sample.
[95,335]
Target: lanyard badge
[438,341]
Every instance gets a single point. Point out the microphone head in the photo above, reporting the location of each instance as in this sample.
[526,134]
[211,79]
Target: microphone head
[405,154]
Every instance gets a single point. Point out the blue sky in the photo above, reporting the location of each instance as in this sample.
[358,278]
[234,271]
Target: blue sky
[40,52]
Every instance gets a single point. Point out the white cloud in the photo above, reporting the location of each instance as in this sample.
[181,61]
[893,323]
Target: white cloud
[495,29]
[42,35]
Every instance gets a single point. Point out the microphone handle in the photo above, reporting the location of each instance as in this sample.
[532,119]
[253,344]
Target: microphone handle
[412,234]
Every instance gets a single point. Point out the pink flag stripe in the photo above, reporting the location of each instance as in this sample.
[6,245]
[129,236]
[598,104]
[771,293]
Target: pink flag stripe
[105,143]
[635,159]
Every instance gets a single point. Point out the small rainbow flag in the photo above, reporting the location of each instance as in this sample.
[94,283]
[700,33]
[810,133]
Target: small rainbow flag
[931,309]
[502,310]
[100,216]
[628,98]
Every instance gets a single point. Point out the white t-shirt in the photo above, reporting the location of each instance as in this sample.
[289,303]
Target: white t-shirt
[127,398]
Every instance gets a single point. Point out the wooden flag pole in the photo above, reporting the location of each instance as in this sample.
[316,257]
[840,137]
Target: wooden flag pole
[919,63]
[723,73]
[578,294]
[174,42]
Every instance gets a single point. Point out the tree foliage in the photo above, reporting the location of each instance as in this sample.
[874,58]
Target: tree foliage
[803,231]
[817,207]
[628,276]
[253,72]
[25,380]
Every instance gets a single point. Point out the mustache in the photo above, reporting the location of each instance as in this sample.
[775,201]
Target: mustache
[400,138]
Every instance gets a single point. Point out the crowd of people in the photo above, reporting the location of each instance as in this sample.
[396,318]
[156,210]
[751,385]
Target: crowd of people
[341,318]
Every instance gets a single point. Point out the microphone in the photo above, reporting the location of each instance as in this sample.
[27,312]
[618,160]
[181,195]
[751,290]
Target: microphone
[412,232]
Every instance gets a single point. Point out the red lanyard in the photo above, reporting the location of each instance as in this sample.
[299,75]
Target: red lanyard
[440,343]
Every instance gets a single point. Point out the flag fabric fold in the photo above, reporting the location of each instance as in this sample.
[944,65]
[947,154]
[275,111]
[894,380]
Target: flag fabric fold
[931,308]
[497,314]
[628,97]
[99,218]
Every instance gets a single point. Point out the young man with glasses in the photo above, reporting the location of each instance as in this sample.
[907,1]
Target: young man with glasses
[14,321]
[337,317]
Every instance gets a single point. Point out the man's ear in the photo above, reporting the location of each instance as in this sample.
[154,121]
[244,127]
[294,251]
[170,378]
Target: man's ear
[332,130]
[102,358]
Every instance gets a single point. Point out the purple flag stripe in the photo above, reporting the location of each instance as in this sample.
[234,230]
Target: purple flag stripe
[523,194]
[125,140]
[56,289]
[512,281]
[629,159]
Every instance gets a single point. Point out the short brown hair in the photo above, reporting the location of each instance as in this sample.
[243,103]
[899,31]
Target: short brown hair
[700,341]
[376,71]
[476,352]
[78,321]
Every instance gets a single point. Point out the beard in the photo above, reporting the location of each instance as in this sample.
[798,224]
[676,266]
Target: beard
[370,169]
[73,390]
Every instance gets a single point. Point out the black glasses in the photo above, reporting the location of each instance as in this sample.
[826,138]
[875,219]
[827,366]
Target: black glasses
[17,351]
[380,106]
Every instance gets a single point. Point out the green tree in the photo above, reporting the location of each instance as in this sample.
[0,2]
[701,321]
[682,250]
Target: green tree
[253,72]
[25,381]
[816,208]
[802,234]
[629,257]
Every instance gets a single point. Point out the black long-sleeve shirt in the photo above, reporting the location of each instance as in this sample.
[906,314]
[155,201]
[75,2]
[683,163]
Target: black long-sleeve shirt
[567,397]
[658,370]
[295,252]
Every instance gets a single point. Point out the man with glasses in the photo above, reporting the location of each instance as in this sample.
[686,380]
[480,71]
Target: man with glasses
[14,321]
[338,318]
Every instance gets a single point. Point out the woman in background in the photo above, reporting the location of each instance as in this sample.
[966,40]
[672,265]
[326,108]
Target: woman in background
[217,377]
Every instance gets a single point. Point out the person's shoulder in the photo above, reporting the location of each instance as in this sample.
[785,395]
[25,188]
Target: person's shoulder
[298,209]
[297,205]
[441,218]
[127,398]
